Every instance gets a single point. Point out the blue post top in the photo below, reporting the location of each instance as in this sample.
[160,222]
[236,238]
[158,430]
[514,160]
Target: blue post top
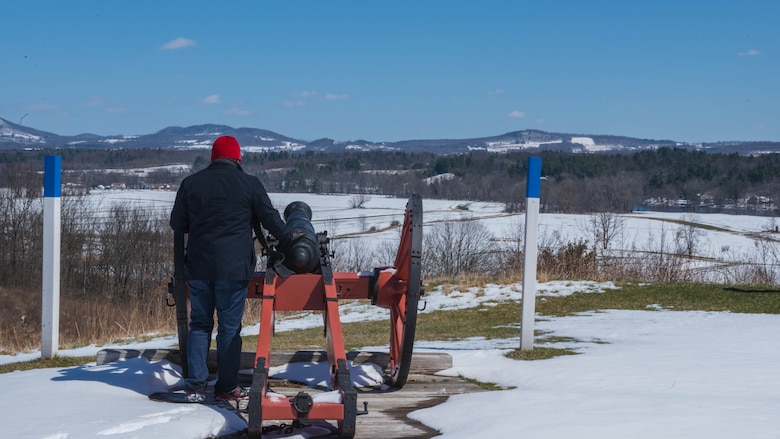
[52,176]
[534,177]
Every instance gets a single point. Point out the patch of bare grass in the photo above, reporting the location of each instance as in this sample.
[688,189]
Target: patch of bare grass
[539,353]
[485,385]
[673,296]
[501,320]
[490,322]
[45,363]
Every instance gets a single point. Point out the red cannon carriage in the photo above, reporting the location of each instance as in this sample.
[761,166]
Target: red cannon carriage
[297,284]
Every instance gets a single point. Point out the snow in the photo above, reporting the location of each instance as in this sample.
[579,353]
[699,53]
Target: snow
[283,146]
[643,374]
[439,178]
[145,171]
[511,145]
[592,146]
[584,141]
[732,239]
[639,374]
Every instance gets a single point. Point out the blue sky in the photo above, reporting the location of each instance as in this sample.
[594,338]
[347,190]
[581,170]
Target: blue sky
[393,70]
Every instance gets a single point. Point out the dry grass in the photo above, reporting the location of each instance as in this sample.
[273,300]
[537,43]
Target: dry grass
[45,363]
[82,322]
[103,322]
[470,280]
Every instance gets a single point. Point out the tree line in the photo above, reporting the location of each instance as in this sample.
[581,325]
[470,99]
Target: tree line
[667,178]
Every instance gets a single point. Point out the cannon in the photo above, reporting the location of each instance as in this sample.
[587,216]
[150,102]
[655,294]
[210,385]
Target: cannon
[301,277]
[304,254]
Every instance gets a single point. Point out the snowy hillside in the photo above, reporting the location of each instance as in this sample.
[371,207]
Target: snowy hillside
[259,140]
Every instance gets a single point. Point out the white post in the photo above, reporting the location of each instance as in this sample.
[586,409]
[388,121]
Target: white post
[530,253]
[50,310]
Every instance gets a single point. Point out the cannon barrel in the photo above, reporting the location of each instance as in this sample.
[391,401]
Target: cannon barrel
[303,256]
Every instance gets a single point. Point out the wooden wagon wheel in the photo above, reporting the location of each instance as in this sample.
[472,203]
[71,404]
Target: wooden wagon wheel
[403,310]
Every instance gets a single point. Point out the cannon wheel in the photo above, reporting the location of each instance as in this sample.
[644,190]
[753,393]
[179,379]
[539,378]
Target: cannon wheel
[403,312]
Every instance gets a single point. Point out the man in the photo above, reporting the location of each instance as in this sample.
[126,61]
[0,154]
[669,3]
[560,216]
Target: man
[217,208]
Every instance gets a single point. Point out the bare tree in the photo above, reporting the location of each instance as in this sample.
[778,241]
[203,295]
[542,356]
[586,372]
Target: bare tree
[510,257]
[358,201]
[352,254]
[687,236]
[764,266]
[605,227]
[21,224]
[458,247]
[662,264]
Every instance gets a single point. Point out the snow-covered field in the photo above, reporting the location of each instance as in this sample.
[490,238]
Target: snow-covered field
[640,374]
[720,239]
[334,214]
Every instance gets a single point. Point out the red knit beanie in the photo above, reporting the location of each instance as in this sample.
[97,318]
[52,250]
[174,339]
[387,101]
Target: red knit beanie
[226,147]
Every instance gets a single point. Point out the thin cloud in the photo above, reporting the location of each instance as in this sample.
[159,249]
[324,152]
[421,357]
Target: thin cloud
[40,107]
[751,52]
[335,97]
[516,114]
[100,103]
[95,102]
[306,93]
[212,99]
[237,112]
[497,91]
[178,43]
[291,104]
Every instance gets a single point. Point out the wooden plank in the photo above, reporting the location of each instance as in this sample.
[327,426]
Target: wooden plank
[387,410]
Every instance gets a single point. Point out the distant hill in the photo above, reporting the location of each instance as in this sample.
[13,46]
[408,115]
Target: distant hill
[15,136]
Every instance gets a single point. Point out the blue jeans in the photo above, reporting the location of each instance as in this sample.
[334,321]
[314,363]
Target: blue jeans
[228,297]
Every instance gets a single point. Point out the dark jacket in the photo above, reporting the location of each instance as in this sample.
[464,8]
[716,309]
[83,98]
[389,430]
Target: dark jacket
[216,206]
